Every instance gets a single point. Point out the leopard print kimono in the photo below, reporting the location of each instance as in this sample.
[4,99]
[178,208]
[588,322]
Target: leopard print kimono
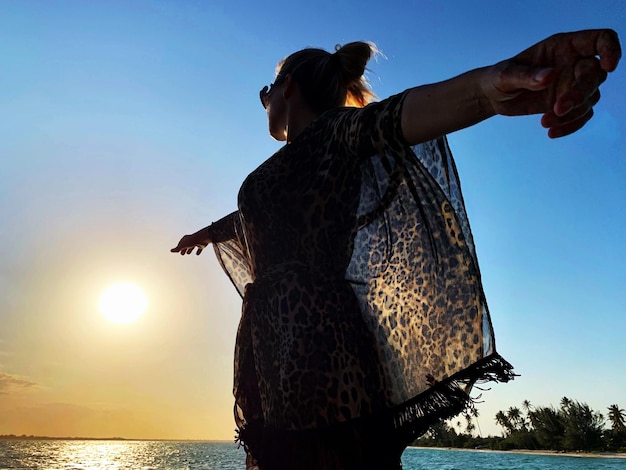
[361,290]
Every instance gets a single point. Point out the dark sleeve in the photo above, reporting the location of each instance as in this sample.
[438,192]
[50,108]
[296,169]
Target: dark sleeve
[226,228]
[370,130]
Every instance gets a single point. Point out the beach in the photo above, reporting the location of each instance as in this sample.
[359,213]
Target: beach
[613,455]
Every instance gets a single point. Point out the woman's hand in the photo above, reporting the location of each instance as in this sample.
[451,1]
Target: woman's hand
[199,240]
[558,77]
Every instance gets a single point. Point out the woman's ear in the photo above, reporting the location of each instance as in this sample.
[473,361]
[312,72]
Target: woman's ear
[290,86]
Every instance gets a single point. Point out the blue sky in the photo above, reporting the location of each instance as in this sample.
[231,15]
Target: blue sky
[128,124]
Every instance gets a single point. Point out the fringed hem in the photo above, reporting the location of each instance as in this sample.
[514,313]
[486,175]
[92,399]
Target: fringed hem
[447,398]
[397,427]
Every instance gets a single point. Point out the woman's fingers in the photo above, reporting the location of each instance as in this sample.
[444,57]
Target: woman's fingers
[187,250]
[571,126]
[551,119]
[607,46]
[187,244]
[574,89]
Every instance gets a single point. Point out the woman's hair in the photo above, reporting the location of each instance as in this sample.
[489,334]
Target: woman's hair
[329,80]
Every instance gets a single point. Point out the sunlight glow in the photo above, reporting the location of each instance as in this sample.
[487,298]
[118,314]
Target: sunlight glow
[123,302]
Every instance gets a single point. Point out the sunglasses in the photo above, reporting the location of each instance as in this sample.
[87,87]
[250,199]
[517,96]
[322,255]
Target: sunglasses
[265,92]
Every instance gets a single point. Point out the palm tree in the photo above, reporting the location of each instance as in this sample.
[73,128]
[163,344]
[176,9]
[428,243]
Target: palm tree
[583,427]
[469,426]
[527,408]
[474,412]
[503,420]
[516,419]
[617,417]
[549,427]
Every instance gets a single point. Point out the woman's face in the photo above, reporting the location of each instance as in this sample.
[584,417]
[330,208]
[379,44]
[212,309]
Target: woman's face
[276,107]
[273,100]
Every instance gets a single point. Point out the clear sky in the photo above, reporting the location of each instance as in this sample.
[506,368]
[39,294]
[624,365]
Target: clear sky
[126,124]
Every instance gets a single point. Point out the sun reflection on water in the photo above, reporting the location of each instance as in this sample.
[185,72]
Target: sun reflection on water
[119,455]
[104,455]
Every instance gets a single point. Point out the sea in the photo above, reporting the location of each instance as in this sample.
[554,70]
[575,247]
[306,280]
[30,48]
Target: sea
[187,455]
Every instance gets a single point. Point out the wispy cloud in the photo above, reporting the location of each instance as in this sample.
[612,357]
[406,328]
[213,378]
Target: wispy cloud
[14,384]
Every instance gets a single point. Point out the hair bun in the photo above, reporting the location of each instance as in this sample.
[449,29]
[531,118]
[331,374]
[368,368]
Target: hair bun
[352,59]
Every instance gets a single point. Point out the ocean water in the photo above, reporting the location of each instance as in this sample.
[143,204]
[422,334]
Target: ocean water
[169,455]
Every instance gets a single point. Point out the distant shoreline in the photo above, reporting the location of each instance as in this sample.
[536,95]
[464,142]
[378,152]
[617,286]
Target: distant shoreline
[615,455]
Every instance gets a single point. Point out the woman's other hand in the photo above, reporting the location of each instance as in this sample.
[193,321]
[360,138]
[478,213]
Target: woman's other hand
[558,77]
[199,240]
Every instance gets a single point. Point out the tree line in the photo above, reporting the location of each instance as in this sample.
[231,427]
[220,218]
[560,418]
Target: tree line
[573,426]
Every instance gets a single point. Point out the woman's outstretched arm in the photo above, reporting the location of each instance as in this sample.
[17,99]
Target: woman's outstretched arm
[558,77]
[222,230]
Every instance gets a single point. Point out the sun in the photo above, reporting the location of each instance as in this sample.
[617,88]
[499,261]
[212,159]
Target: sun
[123,302]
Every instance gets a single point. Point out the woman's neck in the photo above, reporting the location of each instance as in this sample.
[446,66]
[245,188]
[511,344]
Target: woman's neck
[299,119]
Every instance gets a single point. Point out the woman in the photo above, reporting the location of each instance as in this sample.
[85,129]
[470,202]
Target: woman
[364,319]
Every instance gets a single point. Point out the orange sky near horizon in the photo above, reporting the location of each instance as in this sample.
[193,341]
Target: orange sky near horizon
[86,376]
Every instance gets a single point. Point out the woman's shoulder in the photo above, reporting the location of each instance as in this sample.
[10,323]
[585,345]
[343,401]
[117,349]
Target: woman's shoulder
[392,105]
[351,130]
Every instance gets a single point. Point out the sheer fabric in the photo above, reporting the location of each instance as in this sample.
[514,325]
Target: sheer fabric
[414,273]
